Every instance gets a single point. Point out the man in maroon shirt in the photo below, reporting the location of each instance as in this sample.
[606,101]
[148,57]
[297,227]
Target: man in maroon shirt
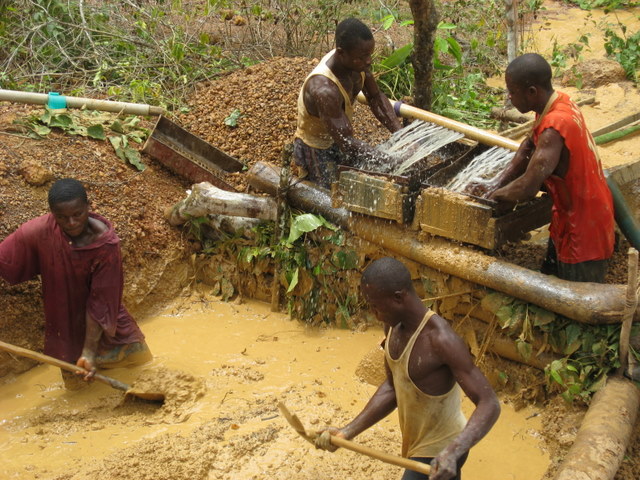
[77,255]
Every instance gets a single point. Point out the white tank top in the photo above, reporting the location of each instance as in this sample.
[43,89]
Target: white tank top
[311,129]
[428,423]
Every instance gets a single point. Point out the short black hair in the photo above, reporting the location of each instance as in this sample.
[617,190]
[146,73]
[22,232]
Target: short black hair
[529,70]
[66,190]
[351,31]
[387,275]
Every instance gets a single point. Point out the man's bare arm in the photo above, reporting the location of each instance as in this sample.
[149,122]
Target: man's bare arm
[455,354]
[381,404]
[543,162]
[516,167]
[379,104]
[326,99]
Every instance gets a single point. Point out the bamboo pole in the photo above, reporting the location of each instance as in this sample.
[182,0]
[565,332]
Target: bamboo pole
[281,221]
[630,306]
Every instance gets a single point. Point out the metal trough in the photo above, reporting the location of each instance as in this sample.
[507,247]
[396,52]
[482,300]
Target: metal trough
[190,156]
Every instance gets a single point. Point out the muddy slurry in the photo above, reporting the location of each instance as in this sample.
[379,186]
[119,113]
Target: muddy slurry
[223,368]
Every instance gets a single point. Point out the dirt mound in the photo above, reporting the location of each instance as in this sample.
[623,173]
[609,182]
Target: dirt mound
[266,96]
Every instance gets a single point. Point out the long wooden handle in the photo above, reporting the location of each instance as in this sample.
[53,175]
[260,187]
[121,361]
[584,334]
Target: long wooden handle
[41,357]
[385,457]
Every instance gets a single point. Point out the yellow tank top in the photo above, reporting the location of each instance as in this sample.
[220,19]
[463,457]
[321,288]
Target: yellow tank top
[311,130]
[428,423]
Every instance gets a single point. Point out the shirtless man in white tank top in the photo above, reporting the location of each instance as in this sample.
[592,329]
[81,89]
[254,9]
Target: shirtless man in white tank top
[324,135]
[427,365]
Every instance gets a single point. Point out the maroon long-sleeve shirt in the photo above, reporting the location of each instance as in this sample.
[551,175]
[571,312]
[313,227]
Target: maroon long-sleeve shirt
[74,280]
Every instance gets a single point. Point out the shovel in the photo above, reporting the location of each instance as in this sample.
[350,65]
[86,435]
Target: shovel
[129,392]
[295,422]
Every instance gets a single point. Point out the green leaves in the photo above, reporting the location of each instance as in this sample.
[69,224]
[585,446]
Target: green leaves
[97,132]
[120,144]
[590,351]
[233,118]
[305,223]
[398,57]
[93,124]
[626,50]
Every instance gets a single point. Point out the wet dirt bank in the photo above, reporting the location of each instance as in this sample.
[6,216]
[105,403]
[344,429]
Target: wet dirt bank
[224,367]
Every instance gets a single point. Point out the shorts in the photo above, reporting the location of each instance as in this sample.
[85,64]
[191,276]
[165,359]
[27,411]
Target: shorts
[321,164]
[589,271]
[413,475]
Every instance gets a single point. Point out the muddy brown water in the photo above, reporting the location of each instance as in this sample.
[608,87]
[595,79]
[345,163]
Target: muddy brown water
[224,367]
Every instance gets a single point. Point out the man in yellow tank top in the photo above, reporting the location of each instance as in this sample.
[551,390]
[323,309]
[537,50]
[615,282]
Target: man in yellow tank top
[324,135]
[427,367]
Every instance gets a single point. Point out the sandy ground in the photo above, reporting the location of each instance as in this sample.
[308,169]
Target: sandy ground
[224,367]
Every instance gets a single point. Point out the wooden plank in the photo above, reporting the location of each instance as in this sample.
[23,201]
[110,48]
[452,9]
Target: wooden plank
[625,173]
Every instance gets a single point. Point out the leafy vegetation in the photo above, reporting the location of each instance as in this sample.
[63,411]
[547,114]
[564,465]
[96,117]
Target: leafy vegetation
[118,48]
[93,124]
[590,352]
[604,4]
[457,92]
[625,49]
[318,270]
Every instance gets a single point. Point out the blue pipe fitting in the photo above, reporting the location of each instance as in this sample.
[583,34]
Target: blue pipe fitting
[56,101]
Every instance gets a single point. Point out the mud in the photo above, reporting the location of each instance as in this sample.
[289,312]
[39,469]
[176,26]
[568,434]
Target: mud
[224,367]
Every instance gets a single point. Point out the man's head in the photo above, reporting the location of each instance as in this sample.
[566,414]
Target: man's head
[528,79]
[386,285]
[354,44]
[69,205]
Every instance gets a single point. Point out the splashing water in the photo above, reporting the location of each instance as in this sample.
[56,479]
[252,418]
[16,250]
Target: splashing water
[482,168]
[416,141]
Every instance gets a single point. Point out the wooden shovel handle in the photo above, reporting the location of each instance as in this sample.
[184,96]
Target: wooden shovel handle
[41,357]
[385,457]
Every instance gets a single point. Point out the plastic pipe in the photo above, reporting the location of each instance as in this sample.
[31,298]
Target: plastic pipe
[623,214]
[79,102]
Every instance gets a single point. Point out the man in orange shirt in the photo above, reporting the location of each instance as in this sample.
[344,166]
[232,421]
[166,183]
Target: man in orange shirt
[561,155]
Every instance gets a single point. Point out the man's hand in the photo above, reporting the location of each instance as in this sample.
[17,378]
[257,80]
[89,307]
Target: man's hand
[479,188]
[87,362]
[504,204]
[443,467]
[323,440]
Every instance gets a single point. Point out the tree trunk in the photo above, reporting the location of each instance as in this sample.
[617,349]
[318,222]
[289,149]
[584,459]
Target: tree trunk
[205,199]
[425,18]
[604,435]
[511,9]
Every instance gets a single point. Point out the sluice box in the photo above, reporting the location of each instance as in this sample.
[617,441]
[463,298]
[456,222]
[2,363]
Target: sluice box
[420,198]
[387,196]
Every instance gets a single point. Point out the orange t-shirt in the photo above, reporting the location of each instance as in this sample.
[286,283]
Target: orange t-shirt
[582,223]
